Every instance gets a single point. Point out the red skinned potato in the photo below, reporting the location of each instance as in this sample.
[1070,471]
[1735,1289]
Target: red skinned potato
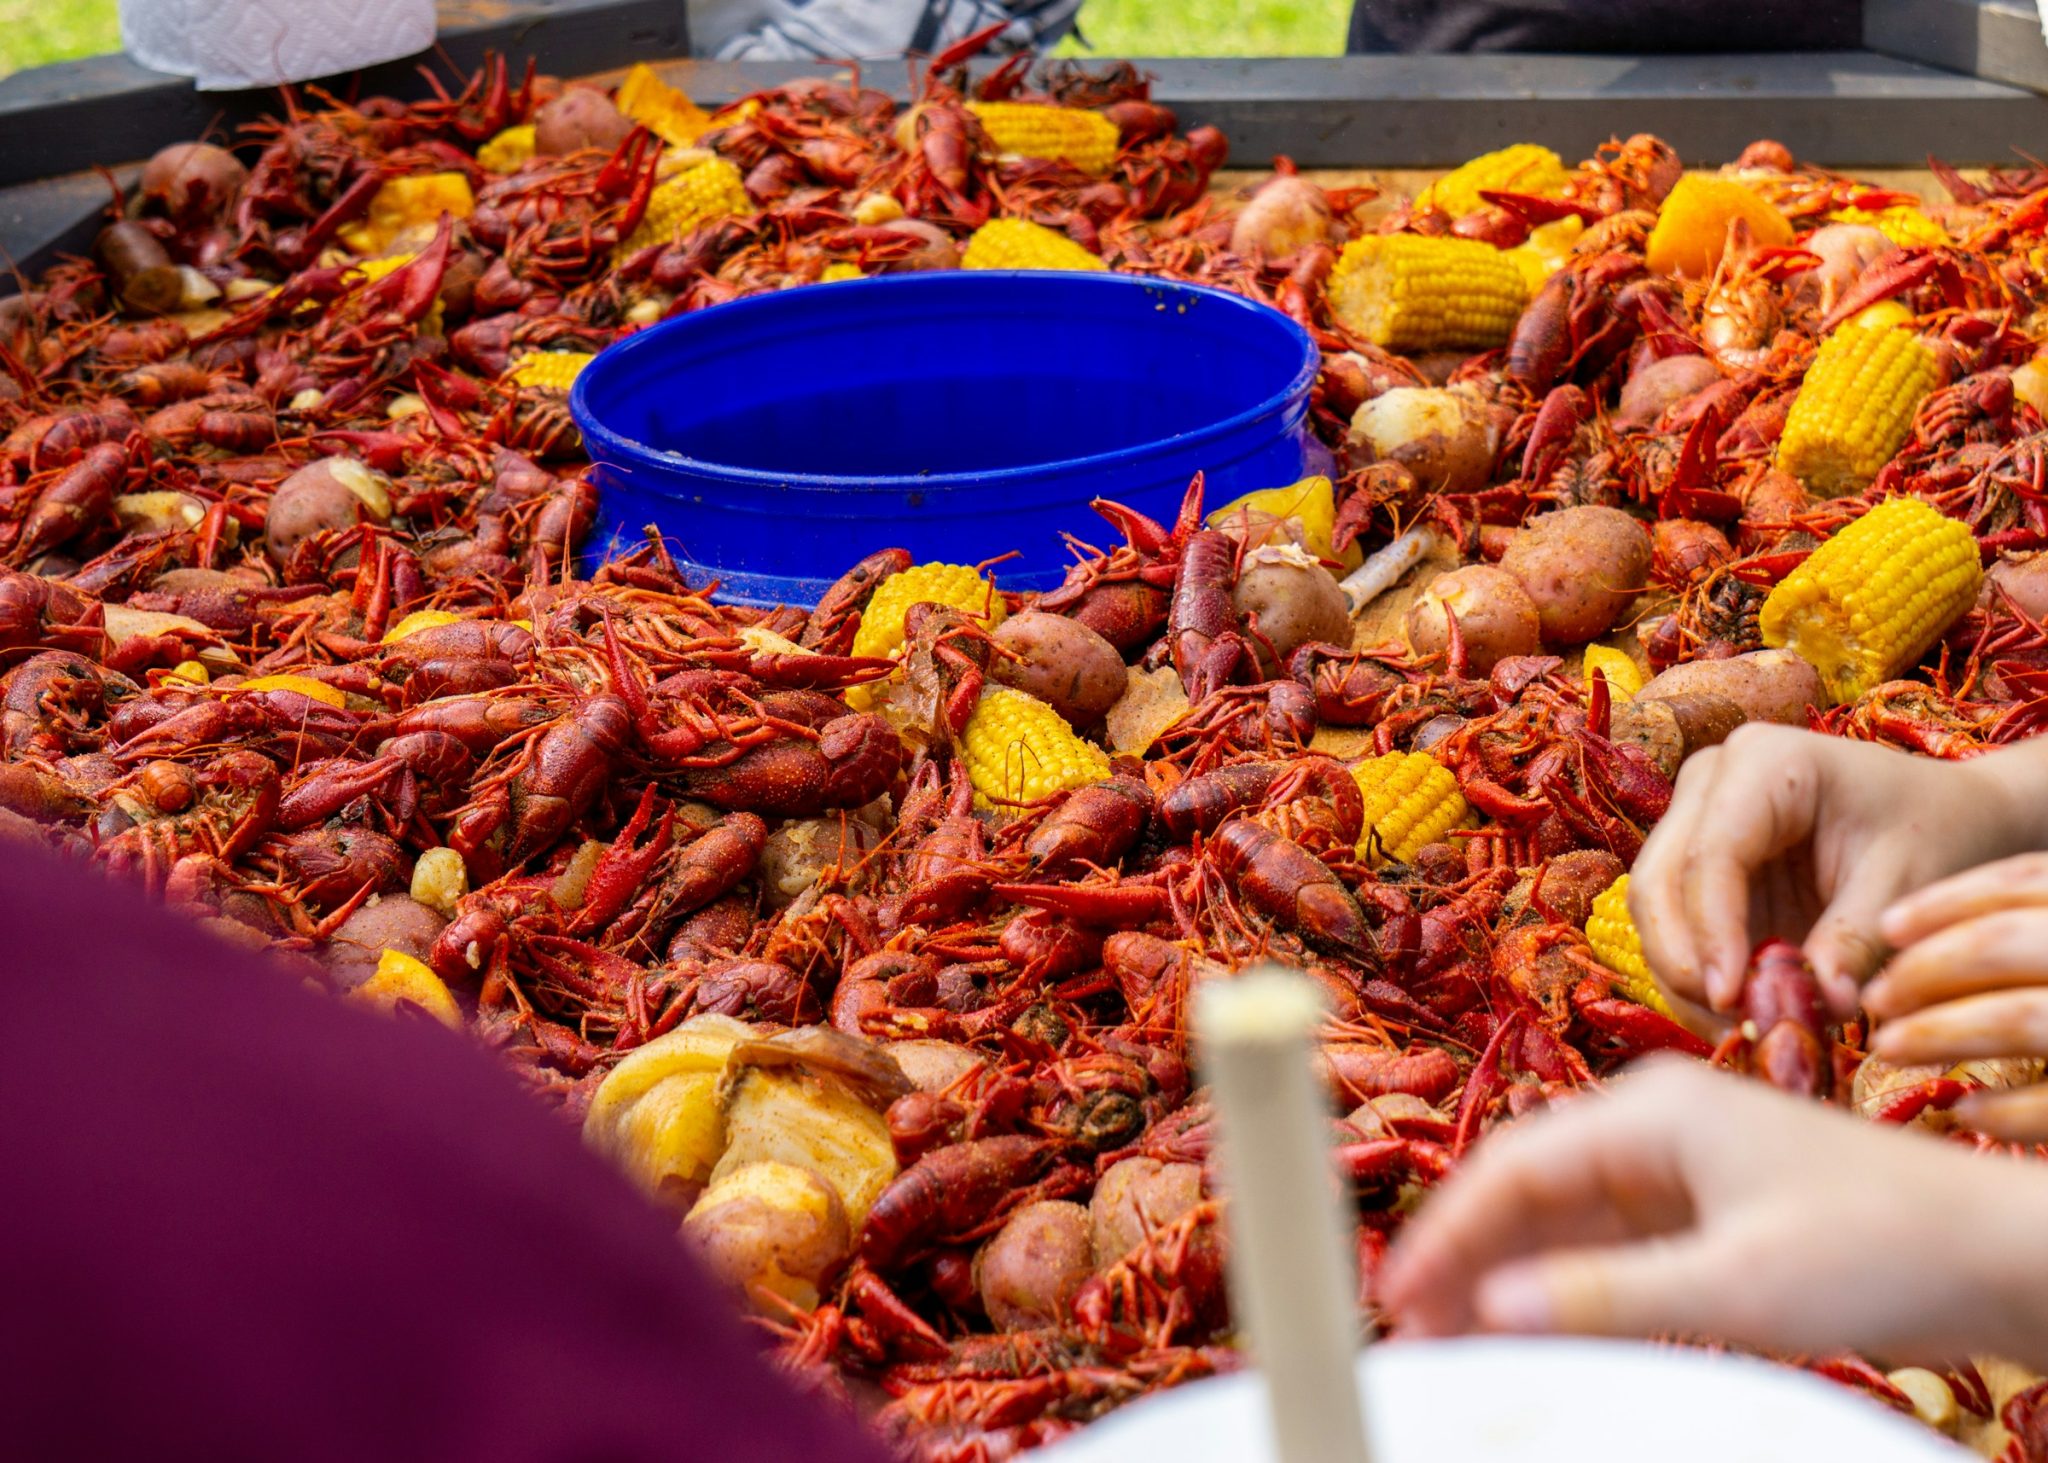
[193,180]
[392,922]
[1287,214]
[1647,392]
[1768,685]
[335,492]
[580,117]
[1029,1272]
[1583,568]
[1135,1197]
[1288,599]
[1496,617]
[1062,662]
[1446,438]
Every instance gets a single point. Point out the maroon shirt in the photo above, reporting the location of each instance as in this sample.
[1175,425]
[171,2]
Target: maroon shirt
[241,1220]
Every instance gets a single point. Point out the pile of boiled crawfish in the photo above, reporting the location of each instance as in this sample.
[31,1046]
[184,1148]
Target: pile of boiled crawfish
[646,809]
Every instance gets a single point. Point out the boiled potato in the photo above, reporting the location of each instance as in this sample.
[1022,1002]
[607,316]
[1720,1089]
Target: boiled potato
[933,1066]
[1135,1197]
[1583,567]
[1287,214]
[1768,685]
[1028,1274]
[580,117]
[1445,437]
[1496,617]
[773,1226]
[1289,599]
[335,492]
[1062,662]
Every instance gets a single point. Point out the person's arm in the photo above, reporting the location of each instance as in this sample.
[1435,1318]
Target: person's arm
[1687,1201]
[1810,837]
[247,1221]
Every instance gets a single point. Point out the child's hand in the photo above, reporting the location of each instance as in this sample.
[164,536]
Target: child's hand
[1809,838]
[1692,1202]
[1971,980]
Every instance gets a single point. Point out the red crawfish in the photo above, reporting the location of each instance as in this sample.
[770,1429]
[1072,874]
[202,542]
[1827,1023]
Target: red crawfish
[1291,886]
[1785,1024]
[1092,825]
[962,1192]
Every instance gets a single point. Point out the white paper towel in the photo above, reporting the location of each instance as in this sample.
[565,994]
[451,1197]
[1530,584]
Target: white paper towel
[225,44]
[154,32]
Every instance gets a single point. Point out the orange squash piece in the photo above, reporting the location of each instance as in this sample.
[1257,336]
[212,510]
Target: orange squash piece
[1693,225]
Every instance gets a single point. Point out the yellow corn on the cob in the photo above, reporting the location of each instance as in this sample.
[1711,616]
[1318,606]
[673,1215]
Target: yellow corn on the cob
[402,204]
[509,151]
[1020,750]
[1870,601]
[1624,676]
[549,370]
[704,188]
[1522,168]
[1411,801]
[1018,243]
[1855,407]
[1616,945]
[1410,293]
[1086,139]
[834,273]
[958,585]
[662,109]
[1902,223]
[881,624]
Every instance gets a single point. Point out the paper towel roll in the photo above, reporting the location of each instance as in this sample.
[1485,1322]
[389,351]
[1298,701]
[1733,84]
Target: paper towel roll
[157,33]
[227,44]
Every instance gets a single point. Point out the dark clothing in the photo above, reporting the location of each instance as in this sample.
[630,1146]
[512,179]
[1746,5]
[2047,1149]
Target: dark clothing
[1645,26]
[246,1221]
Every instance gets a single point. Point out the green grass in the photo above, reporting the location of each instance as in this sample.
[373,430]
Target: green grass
[1212,28]
[34,32]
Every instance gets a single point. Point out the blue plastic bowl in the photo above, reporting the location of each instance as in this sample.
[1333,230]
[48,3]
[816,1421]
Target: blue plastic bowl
[779,438]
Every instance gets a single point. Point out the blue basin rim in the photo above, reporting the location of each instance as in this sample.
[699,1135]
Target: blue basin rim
[625,354]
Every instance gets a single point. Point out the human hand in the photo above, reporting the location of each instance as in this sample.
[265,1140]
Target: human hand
[1692,1202]
[1971,980]
[1786,833]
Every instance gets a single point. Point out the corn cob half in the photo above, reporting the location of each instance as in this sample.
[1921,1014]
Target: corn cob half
[881,623]
[549,370]
[1020,750]
[1871,600]
[509,151]
[1074,135]
[1411,801]
[1409,293]
[1522,167]
[1855,406]
[705,187]
[1018,243]
[1616,945]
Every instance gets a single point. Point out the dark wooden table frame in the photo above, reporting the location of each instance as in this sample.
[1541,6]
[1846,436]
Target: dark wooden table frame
[1851,108]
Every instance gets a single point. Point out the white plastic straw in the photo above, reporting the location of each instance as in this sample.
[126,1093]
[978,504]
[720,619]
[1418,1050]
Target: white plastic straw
[1293,1277]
